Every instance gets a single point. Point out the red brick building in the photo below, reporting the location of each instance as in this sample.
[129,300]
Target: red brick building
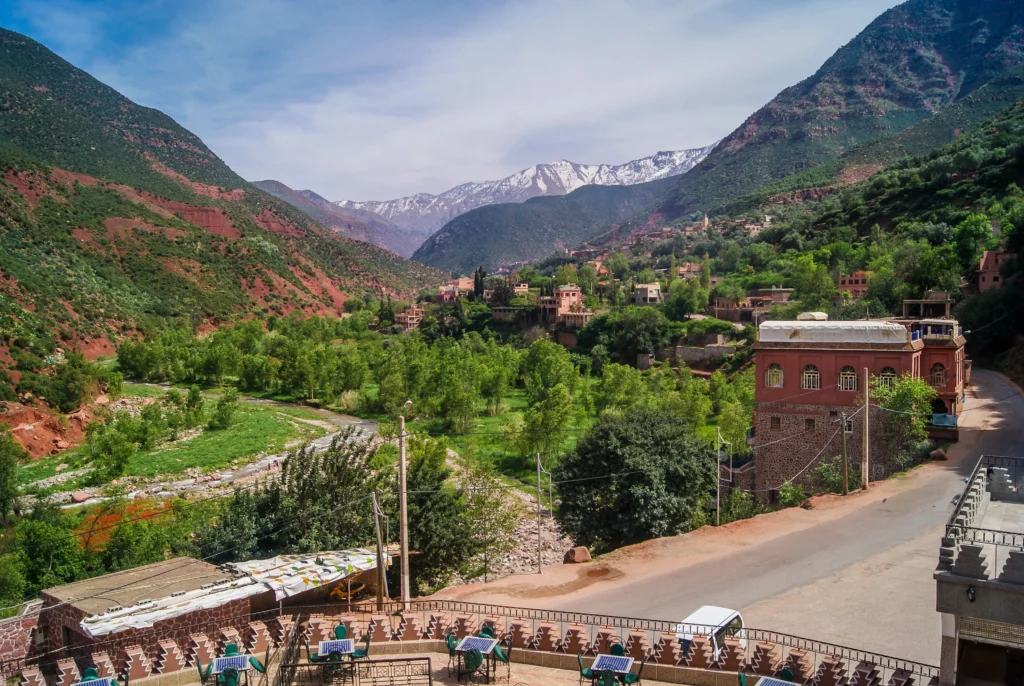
[988,269]
[856,284]
[565,307]
[811,372]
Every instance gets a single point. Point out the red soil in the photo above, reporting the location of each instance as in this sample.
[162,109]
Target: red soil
[39,431]
[186,268]
[122,227]
[21,182]
[97,526]
[209,218]
[200,188]
[270,221]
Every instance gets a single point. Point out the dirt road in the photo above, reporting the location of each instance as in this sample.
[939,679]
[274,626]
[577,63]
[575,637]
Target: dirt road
[840,572]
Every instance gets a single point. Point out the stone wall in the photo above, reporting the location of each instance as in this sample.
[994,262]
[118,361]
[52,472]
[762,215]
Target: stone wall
[794,449]
[17,634]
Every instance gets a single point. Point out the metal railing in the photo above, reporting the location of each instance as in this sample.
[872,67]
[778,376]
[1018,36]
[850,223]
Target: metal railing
[560,631]
[400,671]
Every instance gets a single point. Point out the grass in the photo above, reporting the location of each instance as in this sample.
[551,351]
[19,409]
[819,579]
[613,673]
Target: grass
[257,430]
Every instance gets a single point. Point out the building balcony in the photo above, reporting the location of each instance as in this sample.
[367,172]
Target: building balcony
[981,560]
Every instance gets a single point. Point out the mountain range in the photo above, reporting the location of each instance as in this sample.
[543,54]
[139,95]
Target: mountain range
[358,224]
[428,213]
[911,80]
[114,218]
[913,61]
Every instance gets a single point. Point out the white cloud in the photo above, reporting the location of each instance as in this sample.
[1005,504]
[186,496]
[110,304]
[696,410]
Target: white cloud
[375,104]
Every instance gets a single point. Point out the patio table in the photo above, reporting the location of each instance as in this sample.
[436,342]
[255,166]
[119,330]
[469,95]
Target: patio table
[486,648]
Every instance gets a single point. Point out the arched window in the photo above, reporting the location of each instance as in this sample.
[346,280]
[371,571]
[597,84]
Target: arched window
[847,379]
[773,377]
[811,379]
[937,376]
[887,378]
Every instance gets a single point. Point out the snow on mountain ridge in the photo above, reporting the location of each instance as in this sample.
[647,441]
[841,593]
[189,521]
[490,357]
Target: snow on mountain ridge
[427,212]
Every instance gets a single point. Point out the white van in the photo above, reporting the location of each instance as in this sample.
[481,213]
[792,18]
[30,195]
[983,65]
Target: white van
[718,621]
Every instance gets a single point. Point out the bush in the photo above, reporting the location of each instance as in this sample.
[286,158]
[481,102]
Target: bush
[224,410]
[791,495]
[828,476]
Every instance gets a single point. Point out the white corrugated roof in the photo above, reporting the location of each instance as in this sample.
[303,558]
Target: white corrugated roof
[861,331]
[285,575]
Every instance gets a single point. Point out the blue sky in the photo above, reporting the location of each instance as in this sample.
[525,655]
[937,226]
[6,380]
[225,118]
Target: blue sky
[374,100]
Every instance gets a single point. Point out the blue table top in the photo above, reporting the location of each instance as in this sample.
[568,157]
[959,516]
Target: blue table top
[341,645]
[484,645]
[615,663]
[239,662]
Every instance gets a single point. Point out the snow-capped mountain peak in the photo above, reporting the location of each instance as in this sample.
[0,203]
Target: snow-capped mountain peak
[426,212]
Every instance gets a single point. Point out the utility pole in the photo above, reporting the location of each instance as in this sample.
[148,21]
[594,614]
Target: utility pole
[381,581]
[718,477]
[846,463]
[403,506]
[866,448]
[538,515]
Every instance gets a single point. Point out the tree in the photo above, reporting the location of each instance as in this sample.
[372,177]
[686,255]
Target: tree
[663,477]
[814,285]
[194,407]
[719,391]
[549,422]
[565,274]
[545,366]
[133,544]
[110,450]
[48,550]
[617,265]
[11,453]
[12,583]
[494,515]
[908,405]
[224,410]
[386,313]
[685,297]
[733,421]
[70,386]
[970,237]
[478,282]
[438,515]
[621,387]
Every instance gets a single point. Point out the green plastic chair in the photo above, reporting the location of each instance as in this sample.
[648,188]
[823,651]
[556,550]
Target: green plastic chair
[90,673]
[618,650]
[505,658]
[486,632]
[313,657]
[473,660]
[231,650]
[629,678]
[340,632]
[364,652]
[585,672]
[257,665]
[786,674]
[607,678]
[204,676]
[452,655]
[229,677]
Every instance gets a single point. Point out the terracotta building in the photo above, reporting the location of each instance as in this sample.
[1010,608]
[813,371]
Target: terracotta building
[446,295]
[465,284]
[410,319]
[856,284]
[565,307]
[988,269]
[808,373]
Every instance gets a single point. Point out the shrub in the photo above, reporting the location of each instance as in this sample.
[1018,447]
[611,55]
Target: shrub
[224,410]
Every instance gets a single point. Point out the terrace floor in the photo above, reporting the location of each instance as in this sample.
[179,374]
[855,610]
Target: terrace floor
[522,674]
[1001,516]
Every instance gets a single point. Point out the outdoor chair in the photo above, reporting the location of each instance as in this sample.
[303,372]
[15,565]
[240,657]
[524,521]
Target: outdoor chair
[486,632]
[786,674]
[473,660]
[629,679]
[340,632]
[452,655]
[313,657]
[230,650]
[257,665]
[618,650]
[204,675]
[364,652]
[585,672]
[607,678]
[90,673]
[229,677]
[504,656]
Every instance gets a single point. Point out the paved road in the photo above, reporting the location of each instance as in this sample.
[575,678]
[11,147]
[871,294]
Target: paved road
[838,568]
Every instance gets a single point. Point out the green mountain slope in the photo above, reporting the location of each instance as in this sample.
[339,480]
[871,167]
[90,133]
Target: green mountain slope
[496,235]
[357,224]
[914,60]
[868,158]
[112,214]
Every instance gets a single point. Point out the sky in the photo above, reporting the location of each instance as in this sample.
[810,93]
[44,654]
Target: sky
[382,99]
